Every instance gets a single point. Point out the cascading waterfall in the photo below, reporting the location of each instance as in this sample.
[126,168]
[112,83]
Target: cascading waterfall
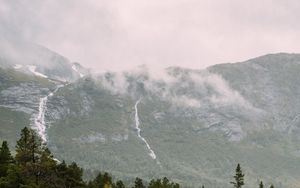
[137,126]
[39,121]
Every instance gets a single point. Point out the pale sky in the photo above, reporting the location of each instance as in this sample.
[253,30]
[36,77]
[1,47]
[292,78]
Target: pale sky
[118,34]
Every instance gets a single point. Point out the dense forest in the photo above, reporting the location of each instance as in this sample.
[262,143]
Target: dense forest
[33,166]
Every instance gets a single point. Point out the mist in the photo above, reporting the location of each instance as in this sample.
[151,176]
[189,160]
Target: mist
[121,34]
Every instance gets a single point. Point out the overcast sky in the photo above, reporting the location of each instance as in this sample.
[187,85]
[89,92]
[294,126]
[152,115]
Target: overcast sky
[118,34]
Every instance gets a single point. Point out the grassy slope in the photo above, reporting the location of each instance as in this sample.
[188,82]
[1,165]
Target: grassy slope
[186,155]
[11,121]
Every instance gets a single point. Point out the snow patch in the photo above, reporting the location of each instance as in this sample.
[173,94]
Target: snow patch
[18,66]
[32,68]
[76,70]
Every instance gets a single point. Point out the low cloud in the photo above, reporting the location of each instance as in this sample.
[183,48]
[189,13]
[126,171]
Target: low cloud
[180,87]
[115,35]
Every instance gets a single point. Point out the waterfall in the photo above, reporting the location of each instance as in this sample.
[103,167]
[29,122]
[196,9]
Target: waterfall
[39,120]
[137,126]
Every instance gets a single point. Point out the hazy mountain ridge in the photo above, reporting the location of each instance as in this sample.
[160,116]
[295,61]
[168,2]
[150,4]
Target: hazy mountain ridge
[198,123]
[37,60]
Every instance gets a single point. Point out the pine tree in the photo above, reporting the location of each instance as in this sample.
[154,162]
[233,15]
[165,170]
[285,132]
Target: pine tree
[13,178]
[272,186]
[261,185]
[35,161]
[29,147]
[5,159]
[46,167]
[239,177]
[155,183]
[103,180]
[74,176]
[120,184]
[165,183]
[138,183]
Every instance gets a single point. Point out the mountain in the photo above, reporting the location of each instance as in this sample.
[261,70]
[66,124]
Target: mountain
[38,61]
[193,126]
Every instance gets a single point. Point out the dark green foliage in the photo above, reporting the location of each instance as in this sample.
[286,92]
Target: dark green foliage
[27,147]
[13,178]
[101,181]
[138,183]
[35,167]
[239,177]
[261,185]
[5,159]
[74,176]
[68,175]
[164,183]
[119,184]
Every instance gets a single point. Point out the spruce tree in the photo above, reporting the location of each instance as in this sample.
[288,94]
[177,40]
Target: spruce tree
[261,185]
[29,147]
[74,176]
[5,159]
[138,183]
[120,184]
[272,186]
[239,177]
[165,183]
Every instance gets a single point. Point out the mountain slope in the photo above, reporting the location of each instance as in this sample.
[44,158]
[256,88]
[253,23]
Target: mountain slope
[198,123]
[193,126]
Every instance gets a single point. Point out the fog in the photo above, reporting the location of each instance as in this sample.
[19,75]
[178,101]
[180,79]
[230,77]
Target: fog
[180,87]
[121,34]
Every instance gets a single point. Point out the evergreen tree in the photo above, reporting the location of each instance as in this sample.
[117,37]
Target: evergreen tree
[165,183]
[261,185]
[29,149]
[35,161]
[138,183]
[155,183]
[272,186]
[13,178]
[101,180]
[5,159]
[23,147]
[120,184]
[239,177]
[74,176]
[47,168]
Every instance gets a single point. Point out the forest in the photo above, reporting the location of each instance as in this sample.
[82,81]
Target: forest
[33,166]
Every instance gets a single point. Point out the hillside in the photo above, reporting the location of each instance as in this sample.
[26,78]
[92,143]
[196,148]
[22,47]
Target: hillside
[193,126]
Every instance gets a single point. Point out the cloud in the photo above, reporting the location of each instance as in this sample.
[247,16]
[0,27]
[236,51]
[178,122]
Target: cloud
[178,86]
[223,95]
[105,34]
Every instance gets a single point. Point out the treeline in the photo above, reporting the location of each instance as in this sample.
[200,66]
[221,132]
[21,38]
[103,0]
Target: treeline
[33,166]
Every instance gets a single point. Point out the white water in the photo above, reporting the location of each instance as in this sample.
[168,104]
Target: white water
[137,126]
[39,121]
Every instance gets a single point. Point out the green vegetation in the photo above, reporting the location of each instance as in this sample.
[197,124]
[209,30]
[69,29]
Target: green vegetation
[35,167]
[192,144]
[239,177]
